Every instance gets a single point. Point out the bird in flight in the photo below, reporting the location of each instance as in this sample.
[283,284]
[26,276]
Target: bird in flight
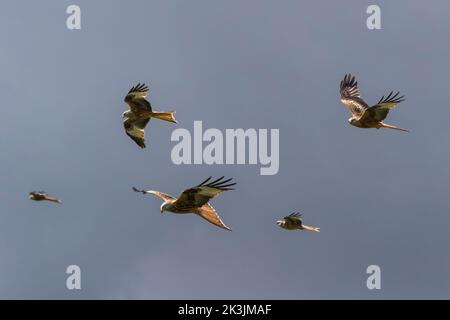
[140,111]
[42,196]
[195,200]
[364,116]
[294,222]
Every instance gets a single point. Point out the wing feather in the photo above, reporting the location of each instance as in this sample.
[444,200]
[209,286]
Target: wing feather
[351,97]
[294,218]
[380,111]
[136,99]
[159,194]
[199,195]
[135,130]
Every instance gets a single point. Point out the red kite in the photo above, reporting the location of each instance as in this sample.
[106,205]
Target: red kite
[195,200]
[364,116]
[135,119]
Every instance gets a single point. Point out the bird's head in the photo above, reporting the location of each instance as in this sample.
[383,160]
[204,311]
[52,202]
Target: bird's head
[126,114]
[280,223]
[164,207]
[352,120]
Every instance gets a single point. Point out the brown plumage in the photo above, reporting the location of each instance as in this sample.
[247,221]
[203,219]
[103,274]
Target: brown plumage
[364,116]
[195,200]
[140,111]
[42,196]
[294,222]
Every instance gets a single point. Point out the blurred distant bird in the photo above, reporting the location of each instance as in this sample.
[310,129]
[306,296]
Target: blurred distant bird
[364,116]
[135,119]
[42,196]
[195,200]
[294,222]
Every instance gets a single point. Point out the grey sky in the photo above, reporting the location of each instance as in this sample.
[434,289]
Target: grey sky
[379,196]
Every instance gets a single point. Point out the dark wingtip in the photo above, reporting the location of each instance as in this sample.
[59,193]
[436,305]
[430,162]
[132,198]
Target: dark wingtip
[348,81]
[140,87]
[222,184]
[394,98]
[205,181]
[218,183]
[295,214]
[137,190]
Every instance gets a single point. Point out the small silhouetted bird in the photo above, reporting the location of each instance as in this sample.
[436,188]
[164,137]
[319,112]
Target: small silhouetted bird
[294,222]
[42,196]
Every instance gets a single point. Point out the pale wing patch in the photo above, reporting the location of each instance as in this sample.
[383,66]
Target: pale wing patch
[138,91]
[161,195]
[209,192]
[137,95]
[136,132]
[350,96]
[355,107]
[387,105]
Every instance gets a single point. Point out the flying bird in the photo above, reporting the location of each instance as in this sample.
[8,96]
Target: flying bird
[195,200]
[294,222]
[364,116]
[140,111]
[42,196]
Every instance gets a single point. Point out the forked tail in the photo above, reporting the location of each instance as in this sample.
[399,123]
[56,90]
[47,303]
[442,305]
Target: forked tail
[54,200]
[390,126]
[309,228]
[166,116]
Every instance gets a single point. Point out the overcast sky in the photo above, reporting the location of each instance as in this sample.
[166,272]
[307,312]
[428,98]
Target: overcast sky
[380,197]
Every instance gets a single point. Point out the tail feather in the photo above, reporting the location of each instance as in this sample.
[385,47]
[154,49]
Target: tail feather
[309,228]
[166,116]
[54,200]
[390,126]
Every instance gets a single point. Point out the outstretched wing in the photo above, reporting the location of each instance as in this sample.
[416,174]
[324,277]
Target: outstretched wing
[136,99]
[351,97]
[162,195]
[135,130]
[199,195]
[294,219]
[208,213]
[380,111]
